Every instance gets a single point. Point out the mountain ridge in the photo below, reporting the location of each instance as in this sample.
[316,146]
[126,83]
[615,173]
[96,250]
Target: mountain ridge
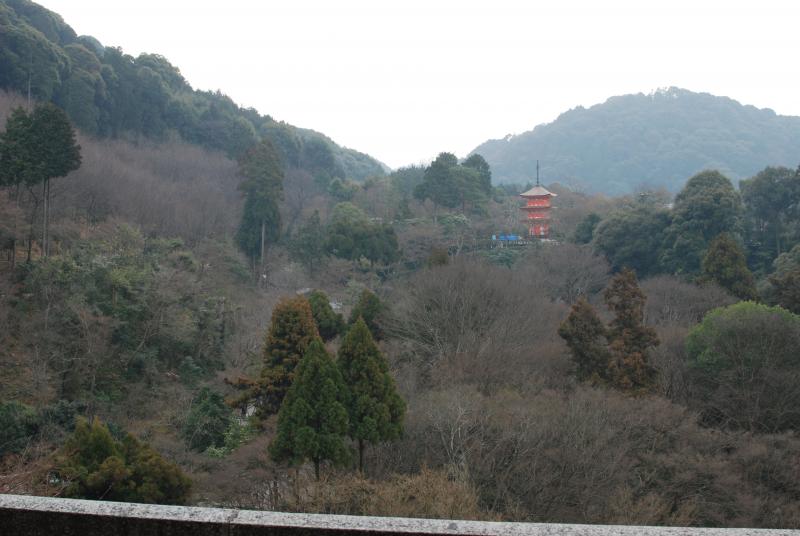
[108,93]
[655,140]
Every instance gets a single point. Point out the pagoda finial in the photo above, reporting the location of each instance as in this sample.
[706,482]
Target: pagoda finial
[537,173]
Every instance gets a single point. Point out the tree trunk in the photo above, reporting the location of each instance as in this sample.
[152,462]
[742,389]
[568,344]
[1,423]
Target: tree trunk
[263,233]
[361,456]
[44,218]
[316,469]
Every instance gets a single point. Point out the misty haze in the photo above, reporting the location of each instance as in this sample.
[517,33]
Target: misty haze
[463,261]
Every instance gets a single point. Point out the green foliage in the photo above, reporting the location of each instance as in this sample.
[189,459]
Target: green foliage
[38,146]
[308,245]
[375,408]
[18,426]
[725,264]
[657,139]
[329,322]
[312,422]
[706,207]
[234,437]
[747,368]
[370,309]
[119,310]
[451,185]
[342,190]
[771,200]
[291,330]
[207,422]
[109,93]
[262,184]
[351,235]
[633,238]
[628,338]
[584,232]
[405,180]
[585,335]
[96,466]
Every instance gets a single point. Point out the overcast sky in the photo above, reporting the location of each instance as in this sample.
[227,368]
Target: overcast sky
[405,80]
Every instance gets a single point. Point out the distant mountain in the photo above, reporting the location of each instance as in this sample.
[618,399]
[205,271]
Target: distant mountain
[655,140]
[108,93]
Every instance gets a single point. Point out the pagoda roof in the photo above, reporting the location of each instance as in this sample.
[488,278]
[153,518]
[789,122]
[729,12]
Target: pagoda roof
[538,191]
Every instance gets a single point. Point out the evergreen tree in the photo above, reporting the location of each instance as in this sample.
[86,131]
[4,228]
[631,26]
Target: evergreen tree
[628,337]
[370,309]
[207,422]
[36,148]
[291,331]
[329,322]
[585,336]
[584,231]
[262,184]
[97,466]
[308,245]
[375,408]
[786,290]
[706,207]
[725,264]
[312,422]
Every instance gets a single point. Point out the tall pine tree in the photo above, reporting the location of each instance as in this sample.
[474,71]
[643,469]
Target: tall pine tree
[312,422]
[375,408]
[261,171]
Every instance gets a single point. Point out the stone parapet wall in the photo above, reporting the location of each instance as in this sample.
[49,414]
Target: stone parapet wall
[45,516]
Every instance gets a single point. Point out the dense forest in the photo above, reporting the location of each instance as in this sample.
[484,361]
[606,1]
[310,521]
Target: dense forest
[108,93]
[648,141]
[180,324]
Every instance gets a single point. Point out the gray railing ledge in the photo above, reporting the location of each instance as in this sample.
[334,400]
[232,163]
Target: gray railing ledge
[46,516]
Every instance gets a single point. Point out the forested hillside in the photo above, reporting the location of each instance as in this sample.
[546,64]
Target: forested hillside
[108,93]
[184,327]
[635,142]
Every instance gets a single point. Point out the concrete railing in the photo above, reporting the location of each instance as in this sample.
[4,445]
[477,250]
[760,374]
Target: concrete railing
[45,516]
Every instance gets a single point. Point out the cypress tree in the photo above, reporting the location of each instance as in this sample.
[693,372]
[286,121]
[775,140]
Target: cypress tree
[585,336]
[370,309]
[312,421]
[375,408]
[628,337]
[725,264]
[290,333]
[329,322]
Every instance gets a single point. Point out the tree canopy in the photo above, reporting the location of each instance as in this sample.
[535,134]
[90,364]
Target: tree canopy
[291,330]
[312,421]
[375,408]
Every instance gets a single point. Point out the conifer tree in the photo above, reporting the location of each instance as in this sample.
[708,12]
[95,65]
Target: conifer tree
[261,171]
[628,337]
[291,331]
[369,308]
[312,422]
[94,465]
[585,336]
[725,264]
[375,408]
[329,322]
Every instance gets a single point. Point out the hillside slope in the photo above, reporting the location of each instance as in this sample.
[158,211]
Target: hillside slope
[108,93]
[655,140]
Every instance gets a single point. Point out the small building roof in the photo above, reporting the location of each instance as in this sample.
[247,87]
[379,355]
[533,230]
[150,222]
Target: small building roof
[538,191]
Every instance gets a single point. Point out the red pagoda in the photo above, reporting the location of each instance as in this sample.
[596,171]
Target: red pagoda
[537,209]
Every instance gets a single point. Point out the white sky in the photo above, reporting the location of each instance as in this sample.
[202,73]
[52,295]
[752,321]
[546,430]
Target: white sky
[405,80]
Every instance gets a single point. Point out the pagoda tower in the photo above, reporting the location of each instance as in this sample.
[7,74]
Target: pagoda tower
[537,209]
